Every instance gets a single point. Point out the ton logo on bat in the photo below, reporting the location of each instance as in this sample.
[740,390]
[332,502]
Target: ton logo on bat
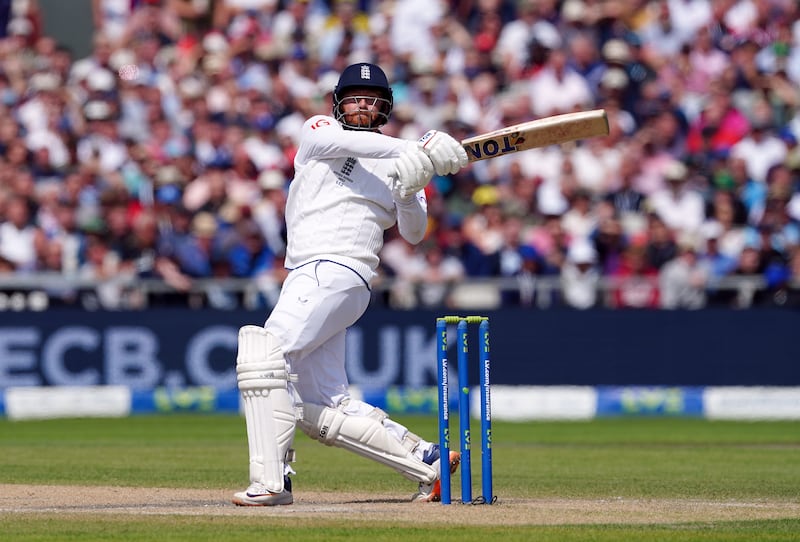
[495,147]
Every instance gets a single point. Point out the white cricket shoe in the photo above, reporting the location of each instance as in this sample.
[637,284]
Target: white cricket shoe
[258,495]
[433,492]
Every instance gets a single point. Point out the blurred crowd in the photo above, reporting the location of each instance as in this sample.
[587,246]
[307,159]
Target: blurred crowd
[167,151]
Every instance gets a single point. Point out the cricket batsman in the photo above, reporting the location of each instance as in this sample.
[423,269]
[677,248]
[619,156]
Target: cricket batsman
[351,183]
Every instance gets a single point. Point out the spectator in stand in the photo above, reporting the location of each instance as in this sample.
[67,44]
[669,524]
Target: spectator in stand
[678,205]
[749,267]
[731,234]
[43,117]
[524,28]
[653,162]
[249,256]
[153,19]
[549,240]
[434,275]
[748,195]
[585,59]
[782,183]
[666,125]
[210,144]
[635,282]
[718,264]
[411,28]
[625,53]
[661,38]
[786,231]
[511,252]
[626,199]
[771,253]
[557,88]
[761,149]
[267,210]
[483,234]
[297,22]
[197,253]
[397,263]
[262,145]
[140,246]
[793,205]
[580,277]
[785,287]
[721,200]
[776,231]
[682,280]
[111,18]
[706,62]
[595,164]
[209,191]
[101,149]
[518,192]
[102,267]
[610,243]
[18,236]
[229,12]
[66,233]
[117,215]
[478,101]
[580,220]
[17,157]
[195,18]
[521,285]
[746,76]
[142,257]
[51,261]
[661,246]
[347,29]
[99,58]
[520,264]
[200,255]
[719,126]
[242,187]
[174,227]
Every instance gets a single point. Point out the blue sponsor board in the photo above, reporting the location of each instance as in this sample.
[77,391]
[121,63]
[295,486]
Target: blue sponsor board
[166,400]
[735,403]
[177,348]
[398,400]
[611,401]
[649,401]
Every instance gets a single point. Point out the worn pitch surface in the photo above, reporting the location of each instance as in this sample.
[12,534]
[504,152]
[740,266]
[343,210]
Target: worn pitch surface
[93,500]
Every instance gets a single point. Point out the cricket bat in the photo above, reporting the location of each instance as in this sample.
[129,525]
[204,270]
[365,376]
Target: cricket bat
[537,133]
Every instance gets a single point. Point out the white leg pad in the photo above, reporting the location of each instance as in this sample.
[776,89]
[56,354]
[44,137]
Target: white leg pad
[367,437]
[269,411]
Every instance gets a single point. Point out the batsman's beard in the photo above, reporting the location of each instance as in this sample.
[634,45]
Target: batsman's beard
[361,118]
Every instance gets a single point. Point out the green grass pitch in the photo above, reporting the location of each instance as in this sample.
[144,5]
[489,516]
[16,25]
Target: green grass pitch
[630,459]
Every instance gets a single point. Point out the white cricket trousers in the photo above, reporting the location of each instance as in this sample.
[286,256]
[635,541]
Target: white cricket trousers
[318,302]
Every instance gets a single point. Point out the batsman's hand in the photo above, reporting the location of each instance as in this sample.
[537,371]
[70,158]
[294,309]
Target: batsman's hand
[414,172]
[447,154]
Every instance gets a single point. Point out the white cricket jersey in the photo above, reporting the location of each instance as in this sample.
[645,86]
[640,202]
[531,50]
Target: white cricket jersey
[340,200]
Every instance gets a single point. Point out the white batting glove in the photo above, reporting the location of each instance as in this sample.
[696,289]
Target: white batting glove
[447,154]
[414,172]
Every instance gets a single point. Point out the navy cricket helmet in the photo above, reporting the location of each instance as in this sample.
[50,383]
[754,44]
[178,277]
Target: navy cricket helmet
[364,75]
